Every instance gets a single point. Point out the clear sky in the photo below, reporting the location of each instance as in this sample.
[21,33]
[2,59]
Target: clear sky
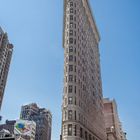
[36,72]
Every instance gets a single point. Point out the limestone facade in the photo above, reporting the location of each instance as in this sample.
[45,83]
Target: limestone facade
[82,108]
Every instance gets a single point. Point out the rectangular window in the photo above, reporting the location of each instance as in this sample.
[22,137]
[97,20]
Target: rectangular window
[70,78]
[70,88]
[69,129]
[75,68]
[71,33]
[65,130]
[70,49]
[75,130]
[71,4]
[81,132]
[71,58]
[67,40]
[75,33]
[75,115]
[90,137]
[75,90]
[71,25]
[66,59]
[71,40]
[75,26]
[65,115]
[66,50]
[86,135]
[70,67]
[65,89]
[71,17]
[71,10]
[67,26]
[75,58]
[67,34]
[75,100]
[75,79]
[66,68]
[75,41]
[70,100]
[75,50]
[70,114]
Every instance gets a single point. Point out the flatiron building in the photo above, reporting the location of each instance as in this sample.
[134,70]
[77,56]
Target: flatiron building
[82,108]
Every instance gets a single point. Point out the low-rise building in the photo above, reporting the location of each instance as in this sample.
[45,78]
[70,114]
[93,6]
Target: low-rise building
[112,122]
[9,125]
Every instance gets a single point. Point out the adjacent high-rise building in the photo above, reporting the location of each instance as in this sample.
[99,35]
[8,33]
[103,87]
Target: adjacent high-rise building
[42,117]
[6,50]
[112,122]
[82,109]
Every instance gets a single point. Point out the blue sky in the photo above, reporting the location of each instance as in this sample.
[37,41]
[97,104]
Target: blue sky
[36,72]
